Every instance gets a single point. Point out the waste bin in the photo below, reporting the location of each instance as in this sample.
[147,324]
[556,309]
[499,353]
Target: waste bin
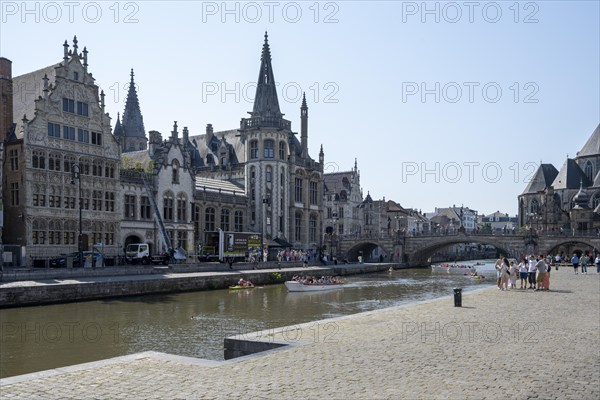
[457,297]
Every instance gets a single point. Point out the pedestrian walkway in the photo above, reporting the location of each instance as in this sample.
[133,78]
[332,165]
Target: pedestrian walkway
[515,344]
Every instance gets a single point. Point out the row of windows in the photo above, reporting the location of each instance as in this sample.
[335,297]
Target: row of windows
[59,232]
[312,227]
[268,149]
[225,220]
[56,196]
[68,133]
[57,162]
[69,106]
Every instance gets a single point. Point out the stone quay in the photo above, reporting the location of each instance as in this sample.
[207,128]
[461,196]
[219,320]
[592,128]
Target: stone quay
[516,344]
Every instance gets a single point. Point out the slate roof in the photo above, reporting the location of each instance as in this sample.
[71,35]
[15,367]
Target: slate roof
[542,179]
[27,88]
[216,185]
[570,176]
[592,146]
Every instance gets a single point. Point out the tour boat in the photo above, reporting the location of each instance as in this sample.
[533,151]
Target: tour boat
[295,286]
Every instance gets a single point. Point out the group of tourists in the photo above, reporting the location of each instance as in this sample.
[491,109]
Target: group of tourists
[583,262]
[313,280]
[532,273]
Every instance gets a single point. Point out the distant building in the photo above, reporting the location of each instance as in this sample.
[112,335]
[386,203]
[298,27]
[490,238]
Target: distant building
[341,203]
[499,222]
[451,219]
[566,200]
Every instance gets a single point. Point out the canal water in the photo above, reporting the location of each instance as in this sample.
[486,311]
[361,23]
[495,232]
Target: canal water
[195,324]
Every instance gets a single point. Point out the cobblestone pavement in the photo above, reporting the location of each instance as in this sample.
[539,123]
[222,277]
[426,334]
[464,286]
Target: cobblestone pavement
[515,344]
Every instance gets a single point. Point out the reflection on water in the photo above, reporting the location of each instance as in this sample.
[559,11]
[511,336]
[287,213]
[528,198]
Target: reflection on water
[195,324]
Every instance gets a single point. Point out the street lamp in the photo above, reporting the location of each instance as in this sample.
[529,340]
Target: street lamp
[76,174]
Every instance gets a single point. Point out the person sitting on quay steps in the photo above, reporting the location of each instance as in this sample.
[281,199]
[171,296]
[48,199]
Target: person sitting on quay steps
[575,262]
[523,269]
[541,272]
[531,272]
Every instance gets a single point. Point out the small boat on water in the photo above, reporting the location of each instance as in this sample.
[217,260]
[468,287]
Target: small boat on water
[295,286]
[240,287]
[453,268]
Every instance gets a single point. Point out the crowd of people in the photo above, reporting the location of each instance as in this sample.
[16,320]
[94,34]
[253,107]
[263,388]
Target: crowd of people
[313,280]
[534,272]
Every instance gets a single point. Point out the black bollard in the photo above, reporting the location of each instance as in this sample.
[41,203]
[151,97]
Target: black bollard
[457,297]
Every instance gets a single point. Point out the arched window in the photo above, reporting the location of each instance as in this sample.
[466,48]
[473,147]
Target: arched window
[269,173]
[175,167]
[54,162]
[209,219]
[534,207]
[168,206]
[38,160]
[595,200]
[225,219]
[269,148]
[589,170]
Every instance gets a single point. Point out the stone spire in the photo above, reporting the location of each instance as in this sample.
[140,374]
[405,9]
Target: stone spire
[133,122]
[304,126]
[265,100]
[118,131]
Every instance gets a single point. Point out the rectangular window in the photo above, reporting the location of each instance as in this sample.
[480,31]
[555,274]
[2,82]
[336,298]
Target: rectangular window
[53,130]
[298,190]
[181,210]
[313,193]
[109,201]
[68,105]
[68,132]
[182,239]
[129,206]
[83,135]
[269,148]
[97,138]
[82,108]
[253,149]
[145,212]
[14,194]
[14,159]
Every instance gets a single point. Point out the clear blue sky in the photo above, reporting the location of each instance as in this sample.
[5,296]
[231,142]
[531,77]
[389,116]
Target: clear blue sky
[441,102]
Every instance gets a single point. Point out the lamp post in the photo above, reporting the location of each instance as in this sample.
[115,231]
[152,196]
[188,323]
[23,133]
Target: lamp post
[76,174]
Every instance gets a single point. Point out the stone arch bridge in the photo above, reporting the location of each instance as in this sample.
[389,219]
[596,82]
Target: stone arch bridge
[415,251]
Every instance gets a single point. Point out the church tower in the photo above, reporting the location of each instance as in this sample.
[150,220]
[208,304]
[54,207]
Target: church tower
[130,132]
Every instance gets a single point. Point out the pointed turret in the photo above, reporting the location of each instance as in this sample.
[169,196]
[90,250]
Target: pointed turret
[118,131]
[133,122]
[266,103]
[321,156]
[304,126]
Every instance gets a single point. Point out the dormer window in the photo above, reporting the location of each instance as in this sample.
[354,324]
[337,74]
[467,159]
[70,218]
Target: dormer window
[76,75]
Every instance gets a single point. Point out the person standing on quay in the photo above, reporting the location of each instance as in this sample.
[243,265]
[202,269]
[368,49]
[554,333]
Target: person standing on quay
[531,272]
[523,272]
[575,262]
[504,274]
[541,269]
[584,262]
[547,277]
[498,267]
[597,262]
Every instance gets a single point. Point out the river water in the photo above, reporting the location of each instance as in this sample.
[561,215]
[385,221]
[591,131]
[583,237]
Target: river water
[195,324]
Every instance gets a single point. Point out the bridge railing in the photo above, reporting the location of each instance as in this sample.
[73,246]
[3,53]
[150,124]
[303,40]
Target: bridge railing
[507,233]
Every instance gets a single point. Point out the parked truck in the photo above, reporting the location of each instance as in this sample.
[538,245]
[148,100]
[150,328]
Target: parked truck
[140,253]
[230,246]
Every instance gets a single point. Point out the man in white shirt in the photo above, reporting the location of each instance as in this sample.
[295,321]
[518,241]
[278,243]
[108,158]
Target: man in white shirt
[531,272]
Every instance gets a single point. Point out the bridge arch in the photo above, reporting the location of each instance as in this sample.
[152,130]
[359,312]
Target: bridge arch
[366,248]
[421,256]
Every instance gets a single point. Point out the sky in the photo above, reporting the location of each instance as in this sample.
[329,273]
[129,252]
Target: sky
[440,103]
